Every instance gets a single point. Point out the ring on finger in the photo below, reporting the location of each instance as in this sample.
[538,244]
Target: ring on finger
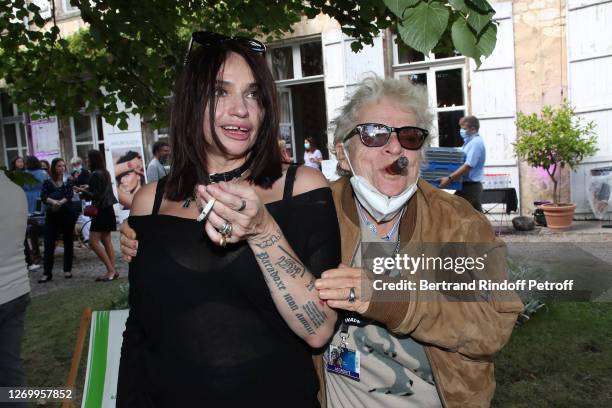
[242,206]
[352,296]
[223,240]
[226,229]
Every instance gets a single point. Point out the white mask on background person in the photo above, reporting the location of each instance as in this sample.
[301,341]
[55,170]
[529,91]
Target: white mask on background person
[78,168]
[380,206]
[306,145]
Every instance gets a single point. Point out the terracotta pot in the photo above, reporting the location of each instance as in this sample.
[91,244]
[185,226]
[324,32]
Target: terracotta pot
[559,216]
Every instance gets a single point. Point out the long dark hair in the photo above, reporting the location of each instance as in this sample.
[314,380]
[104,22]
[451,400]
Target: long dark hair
[96,163]
[194,91]
[54,174]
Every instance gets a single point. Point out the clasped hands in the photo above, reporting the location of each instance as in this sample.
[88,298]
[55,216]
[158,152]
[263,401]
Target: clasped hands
[237,213]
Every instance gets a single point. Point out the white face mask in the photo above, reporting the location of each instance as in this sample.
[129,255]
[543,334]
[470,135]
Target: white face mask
[380,206]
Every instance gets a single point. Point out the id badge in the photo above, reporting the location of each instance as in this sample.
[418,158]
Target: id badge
[343,361]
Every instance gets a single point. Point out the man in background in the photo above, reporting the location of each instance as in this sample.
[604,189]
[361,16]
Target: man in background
[14,282]
[473,168]
[80,175]
[156,169]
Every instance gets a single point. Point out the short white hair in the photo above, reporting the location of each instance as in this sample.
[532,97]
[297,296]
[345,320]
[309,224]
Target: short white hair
[75,160]
[373,89]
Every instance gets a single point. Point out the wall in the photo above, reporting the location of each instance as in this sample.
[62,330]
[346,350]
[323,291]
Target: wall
[541,79]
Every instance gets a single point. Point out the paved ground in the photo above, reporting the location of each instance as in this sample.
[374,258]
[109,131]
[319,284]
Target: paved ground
[589,236]
[85,268]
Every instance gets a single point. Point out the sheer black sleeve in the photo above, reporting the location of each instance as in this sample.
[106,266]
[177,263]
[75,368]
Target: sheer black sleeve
[314,218]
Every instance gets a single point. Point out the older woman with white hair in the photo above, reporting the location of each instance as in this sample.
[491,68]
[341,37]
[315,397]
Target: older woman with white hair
[409,349]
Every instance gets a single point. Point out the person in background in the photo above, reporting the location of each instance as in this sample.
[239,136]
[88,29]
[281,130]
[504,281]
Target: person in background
[282,145]
[80,175]
[100,192]
[473,168]
[312,155]
[156,169]
[45,166]
[33,195]
[17,163]
[14,283]
[33,190]
[60,217]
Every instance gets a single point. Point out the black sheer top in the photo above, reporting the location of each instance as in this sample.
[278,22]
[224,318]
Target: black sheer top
[203,330]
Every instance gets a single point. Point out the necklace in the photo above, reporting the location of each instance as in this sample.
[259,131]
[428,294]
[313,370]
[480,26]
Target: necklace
[219,177]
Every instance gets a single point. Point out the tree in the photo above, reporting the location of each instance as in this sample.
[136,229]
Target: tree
[553,140]
[133,51]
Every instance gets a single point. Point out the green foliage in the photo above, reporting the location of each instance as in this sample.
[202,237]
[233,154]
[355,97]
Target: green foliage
[425,26]
[554,139]
[21,178]
[133,52]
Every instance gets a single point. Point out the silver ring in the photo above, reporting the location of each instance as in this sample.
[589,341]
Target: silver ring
[242,206]
[352,296]
[226,229]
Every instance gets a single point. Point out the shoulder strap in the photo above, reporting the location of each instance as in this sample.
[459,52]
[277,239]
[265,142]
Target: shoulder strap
[289,180]
[159,195]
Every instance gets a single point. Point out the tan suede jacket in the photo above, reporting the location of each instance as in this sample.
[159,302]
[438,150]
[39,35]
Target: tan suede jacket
[460,337]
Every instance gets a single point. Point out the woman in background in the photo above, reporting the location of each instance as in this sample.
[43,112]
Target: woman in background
[45,166]
[33,190]
[18,163]
[33,195]
[312,155]
[100,192]
[60,217]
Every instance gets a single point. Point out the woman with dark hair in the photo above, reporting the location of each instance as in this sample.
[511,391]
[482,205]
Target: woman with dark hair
[33,195]
[33,190]
[100,192]
[60,217]
[18,163]
[223,281]
[45,166]
[312,155]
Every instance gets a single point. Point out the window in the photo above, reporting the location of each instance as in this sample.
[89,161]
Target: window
[68,8]
[282,63]
[443,75]
[45,7]
[14,135]
[86,134]
[298,61]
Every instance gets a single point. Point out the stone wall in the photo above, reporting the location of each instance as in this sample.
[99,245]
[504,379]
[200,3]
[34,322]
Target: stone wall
[541,79]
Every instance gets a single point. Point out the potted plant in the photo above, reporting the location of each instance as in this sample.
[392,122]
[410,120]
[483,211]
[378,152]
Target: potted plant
[553,140]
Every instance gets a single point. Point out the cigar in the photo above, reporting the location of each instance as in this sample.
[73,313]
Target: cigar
[398,166]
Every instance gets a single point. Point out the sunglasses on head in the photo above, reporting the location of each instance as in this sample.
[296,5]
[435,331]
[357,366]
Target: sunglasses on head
[376,135]
[210,39]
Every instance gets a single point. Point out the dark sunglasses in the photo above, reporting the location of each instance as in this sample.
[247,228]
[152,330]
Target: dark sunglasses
[210,39]
[376,135]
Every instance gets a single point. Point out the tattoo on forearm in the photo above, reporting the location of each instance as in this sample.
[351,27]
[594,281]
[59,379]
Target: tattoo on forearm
[290,302]
[316,315]
[264,258]
[290,264]
[311,284]
[269,240]
[305,323]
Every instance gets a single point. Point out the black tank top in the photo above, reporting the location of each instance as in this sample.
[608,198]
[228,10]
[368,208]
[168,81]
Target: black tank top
[203,329]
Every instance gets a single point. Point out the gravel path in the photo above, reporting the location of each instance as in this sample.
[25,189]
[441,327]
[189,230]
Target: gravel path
[85,268]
